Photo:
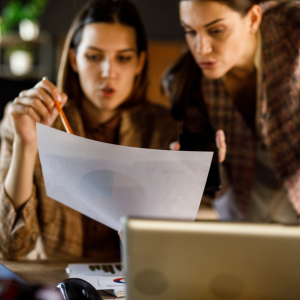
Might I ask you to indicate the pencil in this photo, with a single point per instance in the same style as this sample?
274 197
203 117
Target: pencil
61 113
63 117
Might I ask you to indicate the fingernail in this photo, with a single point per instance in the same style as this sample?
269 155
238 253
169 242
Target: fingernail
58 98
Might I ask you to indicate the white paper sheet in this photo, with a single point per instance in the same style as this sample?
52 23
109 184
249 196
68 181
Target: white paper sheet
106 182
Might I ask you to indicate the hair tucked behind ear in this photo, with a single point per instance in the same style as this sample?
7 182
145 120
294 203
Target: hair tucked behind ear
182 80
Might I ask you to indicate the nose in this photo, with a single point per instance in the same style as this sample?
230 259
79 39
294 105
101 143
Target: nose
107 70
203 45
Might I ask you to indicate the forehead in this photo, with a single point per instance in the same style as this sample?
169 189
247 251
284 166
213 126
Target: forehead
110 37
200 13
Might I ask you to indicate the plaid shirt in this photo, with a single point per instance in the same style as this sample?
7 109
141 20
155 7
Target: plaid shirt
279 108
60 227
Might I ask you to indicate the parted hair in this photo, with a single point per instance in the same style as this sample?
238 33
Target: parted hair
241 6
105 11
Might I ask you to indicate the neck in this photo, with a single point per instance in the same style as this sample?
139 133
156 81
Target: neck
245 68
95 114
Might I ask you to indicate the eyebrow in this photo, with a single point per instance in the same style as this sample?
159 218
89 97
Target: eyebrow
205 26
213 22
120 51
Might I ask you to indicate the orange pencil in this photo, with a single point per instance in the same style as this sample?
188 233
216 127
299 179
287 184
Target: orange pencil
63 117
61 113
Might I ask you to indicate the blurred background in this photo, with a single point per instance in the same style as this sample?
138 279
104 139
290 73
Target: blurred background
33 33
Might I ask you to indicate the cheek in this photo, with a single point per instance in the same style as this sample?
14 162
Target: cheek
236 44
86 70
230 50
192 46
224 50
127 75
87 77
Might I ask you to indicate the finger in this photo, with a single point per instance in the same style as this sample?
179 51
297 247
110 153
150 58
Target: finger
64 99
40 109
20 109
120 233
40 93
221 144
33 115
175 146
50 88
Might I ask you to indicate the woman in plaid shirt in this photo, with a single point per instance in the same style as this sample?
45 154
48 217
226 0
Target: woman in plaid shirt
240 76
103 74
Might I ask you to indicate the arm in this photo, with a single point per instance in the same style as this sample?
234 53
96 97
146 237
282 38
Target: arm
19 226
35 105
16 239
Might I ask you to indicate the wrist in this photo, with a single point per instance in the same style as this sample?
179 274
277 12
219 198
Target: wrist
28 147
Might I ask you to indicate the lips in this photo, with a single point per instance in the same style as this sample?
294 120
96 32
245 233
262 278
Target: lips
207 64
107 92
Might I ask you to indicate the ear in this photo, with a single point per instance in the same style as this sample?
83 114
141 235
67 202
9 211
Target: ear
141 62
255 17
72 60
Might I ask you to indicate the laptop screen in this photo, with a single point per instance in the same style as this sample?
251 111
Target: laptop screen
206 260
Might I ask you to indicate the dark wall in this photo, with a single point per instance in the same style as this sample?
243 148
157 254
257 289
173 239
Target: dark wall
160 17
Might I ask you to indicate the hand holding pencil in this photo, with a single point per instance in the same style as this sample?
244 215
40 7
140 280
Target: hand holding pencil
40 104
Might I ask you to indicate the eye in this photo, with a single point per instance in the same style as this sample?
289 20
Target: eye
93 57
124 58
216 31
190 32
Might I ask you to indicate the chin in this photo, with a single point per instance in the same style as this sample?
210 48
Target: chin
109 107
213 75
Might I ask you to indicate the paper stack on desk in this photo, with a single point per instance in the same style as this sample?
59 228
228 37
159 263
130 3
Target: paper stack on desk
108 277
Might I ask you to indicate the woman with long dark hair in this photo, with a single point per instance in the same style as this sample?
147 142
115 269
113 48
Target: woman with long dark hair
240 75
102 84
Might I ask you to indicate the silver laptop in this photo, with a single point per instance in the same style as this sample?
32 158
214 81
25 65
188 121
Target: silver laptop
169 260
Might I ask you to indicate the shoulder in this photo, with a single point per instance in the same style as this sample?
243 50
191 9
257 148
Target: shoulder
284 15
155 112
155 124
280 31
154 107
279 7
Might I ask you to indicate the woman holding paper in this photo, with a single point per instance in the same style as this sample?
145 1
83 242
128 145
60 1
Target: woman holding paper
102 85
241 74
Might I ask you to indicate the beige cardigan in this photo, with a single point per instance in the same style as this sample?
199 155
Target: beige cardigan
57 226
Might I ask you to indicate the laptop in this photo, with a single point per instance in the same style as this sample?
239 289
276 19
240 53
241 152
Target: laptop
167 260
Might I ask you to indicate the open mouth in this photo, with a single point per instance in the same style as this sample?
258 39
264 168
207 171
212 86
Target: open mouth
107 91
207 64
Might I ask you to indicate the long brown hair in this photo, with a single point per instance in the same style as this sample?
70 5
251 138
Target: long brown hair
106 11
182 80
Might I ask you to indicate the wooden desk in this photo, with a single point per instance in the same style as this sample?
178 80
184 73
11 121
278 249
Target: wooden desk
39 272
48 273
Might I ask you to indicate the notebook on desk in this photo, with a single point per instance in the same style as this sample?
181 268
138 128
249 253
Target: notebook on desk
202 260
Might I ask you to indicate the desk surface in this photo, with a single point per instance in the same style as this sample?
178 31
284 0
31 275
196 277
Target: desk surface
48 273
39 272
